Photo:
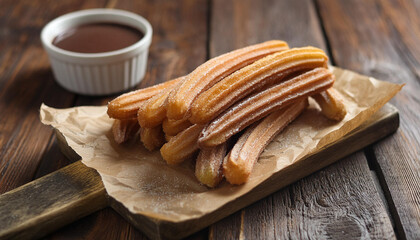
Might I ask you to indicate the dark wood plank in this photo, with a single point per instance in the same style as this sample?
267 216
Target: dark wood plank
236 24
317 207
385 46
48 203
25 82
179 44
285 214
297 23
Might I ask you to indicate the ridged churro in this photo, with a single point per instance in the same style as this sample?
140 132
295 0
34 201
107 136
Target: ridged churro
265 71
123 130
208 167
127 105
213 71
181 146
260 88
239 163
173 127
152 138
259 105
331 104
153 111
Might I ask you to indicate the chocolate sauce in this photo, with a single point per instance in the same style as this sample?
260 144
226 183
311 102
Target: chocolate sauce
97 38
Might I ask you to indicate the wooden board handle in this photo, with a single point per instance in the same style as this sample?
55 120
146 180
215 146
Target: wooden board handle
48 203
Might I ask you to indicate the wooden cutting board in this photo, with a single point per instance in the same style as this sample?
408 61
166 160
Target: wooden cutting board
48 203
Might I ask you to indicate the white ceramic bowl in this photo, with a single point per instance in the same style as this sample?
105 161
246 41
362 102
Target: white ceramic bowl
98 73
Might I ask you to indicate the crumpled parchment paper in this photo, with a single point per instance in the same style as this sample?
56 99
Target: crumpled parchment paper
145 184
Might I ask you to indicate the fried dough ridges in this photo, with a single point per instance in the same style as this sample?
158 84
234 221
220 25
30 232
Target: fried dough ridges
266 71
153 111
259 105
239 163
127 105
152 138
260 88
172 127
214 70
181 146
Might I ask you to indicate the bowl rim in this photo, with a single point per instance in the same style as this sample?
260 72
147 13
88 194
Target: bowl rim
143 43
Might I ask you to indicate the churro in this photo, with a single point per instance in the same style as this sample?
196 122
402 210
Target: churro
173 127
181 146
152 138
266 71
123 130
168 137
238 165
331 104
127 105
259 105
213 71
208 167
153 111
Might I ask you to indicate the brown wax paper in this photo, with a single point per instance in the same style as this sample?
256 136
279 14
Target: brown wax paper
145 184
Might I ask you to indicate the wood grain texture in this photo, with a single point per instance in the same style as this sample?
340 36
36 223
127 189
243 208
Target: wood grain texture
178 46
384 47
236 24
48 203
297 23
25 82
317 207
378 38
324 204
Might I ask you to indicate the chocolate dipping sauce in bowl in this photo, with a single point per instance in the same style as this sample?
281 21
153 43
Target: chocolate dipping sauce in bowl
98 51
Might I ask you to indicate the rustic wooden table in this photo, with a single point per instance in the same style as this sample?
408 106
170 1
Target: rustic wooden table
373 193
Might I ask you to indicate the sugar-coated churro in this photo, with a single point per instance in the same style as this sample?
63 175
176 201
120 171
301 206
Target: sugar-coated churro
173 127
259 105
127 105
213 71
181 146
123 130
152 138
265 71
260 88
153 111
208 167
331 104
238 164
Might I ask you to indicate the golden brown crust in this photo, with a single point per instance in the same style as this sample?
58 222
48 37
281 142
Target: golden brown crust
331 103
213 71
259 105
124 130
208 167
127 105
181 146
173 127
238 165
261 87
153 111
152 138
266 71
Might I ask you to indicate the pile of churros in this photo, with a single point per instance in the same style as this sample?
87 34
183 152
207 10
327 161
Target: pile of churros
228 109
